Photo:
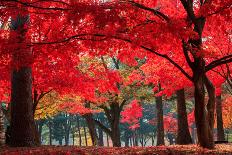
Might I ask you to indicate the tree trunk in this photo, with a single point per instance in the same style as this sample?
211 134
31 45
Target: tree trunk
91 125
85 133
66 137
115 136
183 134
114 122
126 137
67 128
160 123
79 131
40 127
73 137
107 140
2 132
136 143
203 117
220 129
60 141
50 132
22 125
100 137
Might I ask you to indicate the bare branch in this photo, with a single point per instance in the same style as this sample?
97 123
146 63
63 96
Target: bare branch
154 11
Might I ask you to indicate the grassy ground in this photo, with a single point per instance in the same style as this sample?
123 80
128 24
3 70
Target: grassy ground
225 149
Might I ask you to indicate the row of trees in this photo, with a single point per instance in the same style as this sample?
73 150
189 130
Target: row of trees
179 38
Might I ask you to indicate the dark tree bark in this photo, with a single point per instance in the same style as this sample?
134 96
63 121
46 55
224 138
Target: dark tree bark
183 134
115 131
160 122
220 129
203 114
113 117
91 125
22 126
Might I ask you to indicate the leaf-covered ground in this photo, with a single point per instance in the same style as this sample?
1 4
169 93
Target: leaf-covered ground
161 150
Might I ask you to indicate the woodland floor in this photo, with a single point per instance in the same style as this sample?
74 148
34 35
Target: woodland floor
160 150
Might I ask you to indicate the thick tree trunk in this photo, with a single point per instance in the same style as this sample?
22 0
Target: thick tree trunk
183 134
91 125
220 129
115 135
22 126
160 123
2 132
203 115
114 122
92 130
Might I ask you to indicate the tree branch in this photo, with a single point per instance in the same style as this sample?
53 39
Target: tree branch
185 50
122 105
154 11
218 62
103 127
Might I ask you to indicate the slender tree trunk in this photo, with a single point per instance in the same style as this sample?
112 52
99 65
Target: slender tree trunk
183 134
100 139
73 137
220 129
50 132
60 141
152 141
79 131
136 138
160 123
66 138
126 136
40 127
2 132
193 135
107 140
85 133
